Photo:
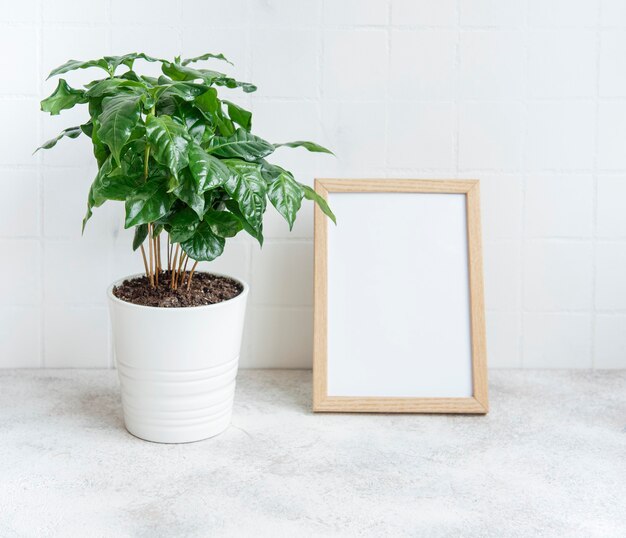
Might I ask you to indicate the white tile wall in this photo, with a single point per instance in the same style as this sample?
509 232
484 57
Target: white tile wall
527 95
559 340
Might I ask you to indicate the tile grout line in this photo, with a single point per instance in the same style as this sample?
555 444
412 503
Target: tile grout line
41 208
457 91
596 151
524 176
386 144
249 342
110 260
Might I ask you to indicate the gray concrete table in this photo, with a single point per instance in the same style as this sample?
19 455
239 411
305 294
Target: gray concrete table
549 460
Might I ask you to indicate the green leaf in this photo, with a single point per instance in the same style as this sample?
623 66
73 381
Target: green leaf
182 224
169 142
188 191
63 97
206 56
246 185
182 72
187 91
113 86
86 218
196 123
208 102
70 132
310 194
148 203
257 232
72 65
242 145
120 115
208 76
87 128
203 245
239 115
208 171
101 151
115 185
311 146
284 192
128 60
93 199
211 107
141 232
223 223
229 82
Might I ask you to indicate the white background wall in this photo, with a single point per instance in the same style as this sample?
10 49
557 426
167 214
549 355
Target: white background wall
527 95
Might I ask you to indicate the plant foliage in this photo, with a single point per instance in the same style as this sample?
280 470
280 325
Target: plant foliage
182 159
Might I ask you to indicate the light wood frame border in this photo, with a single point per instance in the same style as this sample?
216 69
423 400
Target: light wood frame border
478 403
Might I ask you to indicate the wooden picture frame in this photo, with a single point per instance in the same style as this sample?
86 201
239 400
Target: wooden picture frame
477 401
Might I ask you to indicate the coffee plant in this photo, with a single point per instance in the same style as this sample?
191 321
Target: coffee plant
182 159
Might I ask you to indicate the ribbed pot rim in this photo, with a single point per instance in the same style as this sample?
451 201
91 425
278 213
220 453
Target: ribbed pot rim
117 300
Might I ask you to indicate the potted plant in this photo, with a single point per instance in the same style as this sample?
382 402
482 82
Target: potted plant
191 175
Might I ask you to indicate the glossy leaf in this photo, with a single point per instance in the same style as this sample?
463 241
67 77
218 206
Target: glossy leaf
211 107
182 72
257 232
239 115
242 145
311 146
203 245
94 199
72 65
246 185
169 142
310 194
209 77
112 86
128 60
141 232
116 185
63 97
148 203
206 56
223 223
232 83
195 122
120 115
182 224
189 192
284 192
187 91
70 132
208 171
100 150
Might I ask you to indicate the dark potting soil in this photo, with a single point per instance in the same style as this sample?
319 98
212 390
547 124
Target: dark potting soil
205 289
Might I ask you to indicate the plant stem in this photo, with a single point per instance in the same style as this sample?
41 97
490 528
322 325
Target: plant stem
169 252
191 275
146 161
174 266
182 280
151 255
180 267
145 262
157 259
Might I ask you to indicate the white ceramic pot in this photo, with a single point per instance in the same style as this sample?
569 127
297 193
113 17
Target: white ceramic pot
177 366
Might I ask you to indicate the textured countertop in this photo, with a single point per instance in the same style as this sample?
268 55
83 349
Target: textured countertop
549 460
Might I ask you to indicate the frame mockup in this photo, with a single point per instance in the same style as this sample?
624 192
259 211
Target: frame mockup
399 319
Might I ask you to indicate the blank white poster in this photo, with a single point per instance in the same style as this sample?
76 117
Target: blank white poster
398 296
